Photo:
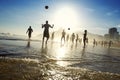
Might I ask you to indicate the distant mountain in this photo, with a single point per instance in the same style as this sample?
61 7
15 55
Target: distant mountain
57 36
9 36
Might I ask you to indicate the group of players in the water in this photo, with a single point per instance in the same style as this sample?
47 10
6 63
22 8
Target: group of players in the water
73 37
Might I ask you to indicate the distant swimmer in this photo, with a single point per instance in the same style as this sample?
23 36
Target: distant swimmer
29 31
46 31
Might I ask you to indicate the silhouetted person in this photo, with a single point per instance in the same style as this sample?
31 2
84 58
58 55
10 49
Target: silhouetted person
77 38
94 42
84 37
102 43
46 31
52 37
105 43
63 35
110 43
29 31
73 37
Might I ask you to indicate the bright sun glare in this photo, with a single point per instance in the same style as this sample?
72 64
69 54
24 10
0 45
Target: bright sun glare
66 17
60 53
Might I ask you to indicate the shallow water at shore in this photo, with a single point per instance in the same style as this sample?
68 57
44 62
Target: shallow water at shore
17 69
70 61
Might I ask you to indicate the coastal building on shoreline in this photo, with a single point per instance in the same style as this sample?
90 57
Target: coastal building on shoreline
112 34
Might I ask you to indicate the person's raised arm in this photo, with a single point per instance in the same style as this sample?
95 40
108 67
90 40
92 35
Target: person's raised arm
52 26
32 30
26 31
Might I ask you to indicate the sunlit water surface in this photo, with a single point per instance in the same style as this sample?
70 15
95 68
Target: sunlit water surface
67 55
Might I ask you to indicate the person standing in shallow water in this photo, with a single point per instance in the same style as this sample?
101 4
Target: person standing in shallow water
63 35
94 42
110 43
72 37
77 38
29 31
46 31
85 37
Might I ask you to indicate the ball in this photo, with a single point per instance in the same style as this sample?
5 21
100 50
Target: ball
46 7
68 28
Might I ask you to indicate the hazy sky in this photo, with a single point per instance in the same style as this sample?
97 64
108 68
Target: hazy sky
97 16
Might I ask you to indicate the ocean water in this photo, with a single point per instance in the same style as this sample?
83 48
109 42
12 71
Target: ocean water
72 55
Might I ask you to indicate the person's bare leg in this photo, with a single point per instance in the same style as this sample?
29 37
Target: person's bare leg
61 39
64 39
84 43
43 40
47 40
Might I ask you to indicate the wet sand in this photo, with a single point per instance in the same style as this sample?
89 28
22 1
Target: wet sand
17 69
21 60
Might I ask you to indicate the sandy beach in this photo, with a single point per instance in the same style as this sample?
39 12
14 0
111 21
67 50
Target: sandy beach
21 60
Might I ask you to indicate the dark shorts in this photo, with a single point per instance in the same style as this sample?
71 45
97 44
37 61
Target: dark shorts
29 35
46 34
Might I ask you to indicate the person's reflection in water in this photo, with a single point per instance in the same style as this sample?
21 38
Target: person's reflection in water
109 50
28 47
76 45
71 46
28 44
83 53
44 49
62 45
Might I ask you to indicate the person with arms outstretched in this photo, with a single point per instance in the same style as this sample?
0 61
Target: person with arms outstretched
46 31
29 31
